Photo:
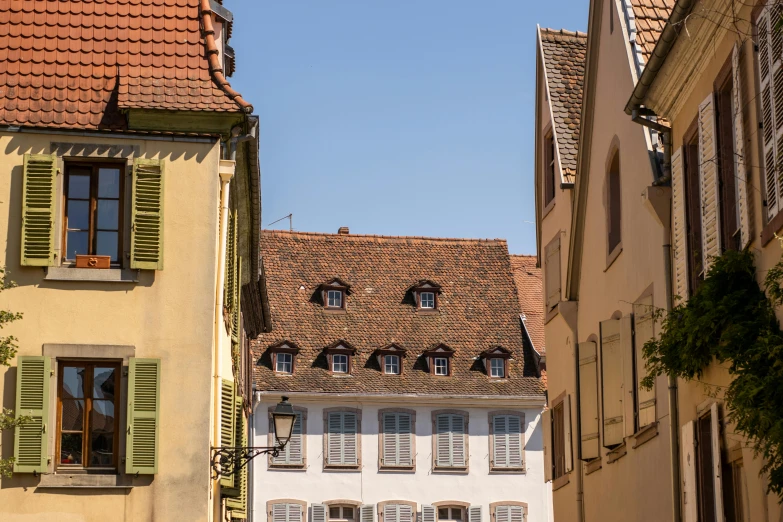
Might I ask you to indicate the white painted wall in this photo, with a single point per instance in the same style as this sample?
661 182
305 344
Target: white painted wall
369 486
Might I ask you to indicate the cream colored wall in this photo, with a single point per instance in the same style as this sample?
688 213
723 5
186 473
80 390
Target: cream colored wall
168 315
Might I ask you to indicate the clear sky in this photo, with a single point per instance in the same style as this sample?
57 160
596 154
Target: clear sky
397 117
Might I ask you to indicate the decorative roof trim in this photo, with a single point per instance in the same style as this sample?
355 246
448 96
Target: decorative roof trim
496 351
424 285
340 285
284 346
340 346
391 349
441 349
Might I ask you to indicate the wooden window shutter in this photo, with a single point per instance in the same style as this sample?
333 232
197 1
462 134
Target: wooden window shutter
428 513
397 440
39 196
588 400
350 442
679 228
342 438
318 512
295 513
279 513
517 513
546 431
644 324
567 450
367 513
227 423
771 107
745 217
391 513
708 181
450 440
503 514
236 326
147 214
629 385
612 381
404 513
689 496
238 505
143 416
552 272
474 514
716 461
443 440
507 441
292 453
334 436
31 450
228 283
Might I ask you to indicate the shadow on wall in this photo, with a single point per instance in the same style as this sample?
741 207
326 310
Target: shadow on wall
535 442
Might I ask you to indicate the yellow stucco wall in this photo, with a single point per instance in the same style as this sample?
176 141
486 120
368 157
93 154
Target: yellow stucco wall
169 315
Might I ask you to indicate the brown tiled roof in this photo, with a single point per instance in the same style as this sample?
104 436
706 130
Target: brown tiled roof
478 309
75 64
564 63
649 17
531 301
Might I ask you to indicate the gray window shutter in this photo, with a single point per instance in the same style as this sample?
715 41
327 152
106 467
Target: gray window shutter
612 381
689 498
295 513
458 436
342 443
474 514
443 440
679 229
644 327
745 217
516 441
367 513
765 25
334 441
508 443
318 512
546 432
503 514
391 513
428 513
350 432
405 439
397 440
588 400
405 513
292 454
708 181
279 513
716 463
517 513
629 385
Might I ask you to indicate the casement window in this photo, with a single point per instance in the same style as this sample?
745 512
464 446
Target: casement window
293 455
286 511
616 369
552 273
342 513
507 441
451 513
397 429
396 511
556 428
425 293
427 300
334 293
727 184
450 440
391 364
588 400
439 360
771 88
496 362
339 363
92 212
549 169
334 299
509 511
282 356
735 501
497 367
284 363
702 472
342 438
441 365
613 210
87 415
390 359
339 356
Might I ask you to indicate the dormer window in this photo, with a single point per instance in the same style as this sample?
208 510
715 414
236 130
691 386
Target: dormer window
283 355
439 360
496 362
339 356
425 293
390 359
333 294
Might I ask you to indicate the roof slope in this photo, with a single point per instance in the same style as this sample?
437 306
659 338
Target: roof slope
564 62
75 64
527 278
649 18
478 309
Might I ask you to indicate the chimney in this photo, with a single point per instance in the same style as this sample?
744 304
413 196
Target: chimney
343 231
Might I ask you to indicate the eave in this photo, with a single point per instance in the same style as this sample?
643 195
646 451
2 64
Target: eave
201 122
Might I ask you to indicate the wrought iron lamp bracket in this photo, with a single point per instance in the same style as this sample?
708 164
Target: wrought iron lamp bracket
228 460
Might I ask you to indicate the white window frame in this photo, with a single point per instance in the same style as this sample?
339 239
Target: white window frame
444 366
391 361
334 296
493 361
335 364
280 358
430 300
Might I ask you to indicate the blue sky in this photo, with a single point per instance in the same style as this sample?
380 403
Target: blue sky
397 117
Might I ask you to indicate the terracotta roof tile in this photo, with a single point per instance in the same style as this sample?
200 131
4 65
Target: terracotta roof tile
531 297
101 56
564 62
649 18
478 309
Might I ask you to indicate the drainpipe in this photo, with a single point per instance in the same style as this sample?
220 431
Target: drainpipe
236 138
640 115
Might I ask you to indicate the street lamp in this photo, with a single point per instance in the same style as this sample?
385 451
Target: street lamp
228 460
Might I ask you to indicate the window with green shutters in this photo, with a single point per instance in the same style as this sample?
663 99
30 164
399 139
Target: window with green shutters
508 441
227 423
232 284
450 440
143 416
39 189
342 438
397 439
147 214
32 399
238 504
293 455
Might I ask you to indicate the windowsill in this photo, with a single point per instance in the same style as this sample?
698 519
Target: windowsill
612 257
86 480
769 230
460 470
92 275
560 481
351 468
397 469
507 471
288 467
617 453
591 466
643 435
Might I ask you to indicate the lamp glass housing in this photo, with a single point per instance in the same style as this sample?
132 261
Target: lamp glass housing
283 418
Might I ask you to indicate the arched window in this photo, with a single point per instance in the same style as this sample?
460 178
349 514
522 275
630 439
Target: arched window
613 210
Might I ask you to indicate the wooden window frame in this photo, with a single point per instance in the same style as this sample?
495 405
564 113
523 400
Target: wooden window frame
339 292
381 436
502 469
550 191
270 441
724 126
342 467
340 348
399 364
614 205
421 300
283 347
94 166
381 506
692 199
335 285
439 352
451 504
62 363
450 469
391 349
341 505
427 287
558 447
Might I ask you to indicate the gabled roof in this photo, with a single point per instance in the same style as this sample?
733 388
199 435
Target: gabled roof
563 55
78 64
531 298
479 310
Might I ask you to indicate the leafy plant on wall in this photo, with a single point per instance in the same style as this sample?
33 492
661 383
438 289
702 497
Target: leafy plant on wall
8 349
731 319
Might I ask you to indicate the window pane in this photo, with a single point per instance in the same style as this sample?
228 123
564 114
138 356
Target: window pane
103 383
79 185
340 364
101 433
108 214
78 214
456 514
109 183
334 512
107 244
77 243
348 513
72 415
73 383
71 448
443 513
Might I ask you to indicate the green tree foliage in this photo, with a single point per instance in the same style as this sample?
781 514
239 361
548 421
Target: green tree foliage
8 349
732 320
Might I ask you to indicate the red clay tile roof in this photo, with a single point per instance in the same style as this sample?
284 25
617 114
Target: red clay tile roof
648 19
478 309
75 64
564 62
531 298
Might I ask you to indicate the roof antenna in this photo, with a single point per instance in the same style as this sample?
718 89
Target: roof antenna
290 218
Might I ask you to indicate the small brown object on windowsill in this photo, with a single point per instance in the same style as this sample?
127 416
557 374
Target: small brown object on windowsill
86 261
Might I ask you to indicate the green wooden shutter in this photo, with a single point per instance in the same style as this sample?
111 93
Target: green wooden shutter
228 283
238 505
32 399
227 421
143 416
38 204
147 214
236 327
